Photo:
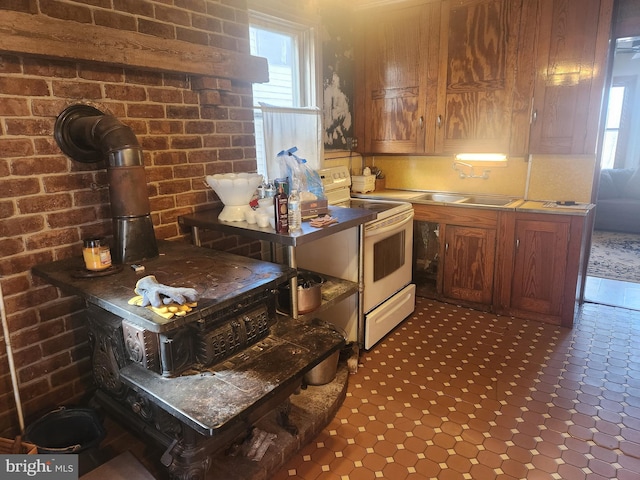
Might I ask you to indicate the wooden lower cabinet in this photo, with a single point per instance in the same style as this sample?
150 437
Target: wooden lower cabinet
540 266
512 263
468 263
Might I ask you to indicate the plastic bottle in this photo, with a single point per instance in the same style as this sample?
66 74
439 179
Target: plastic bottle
295 213
280 205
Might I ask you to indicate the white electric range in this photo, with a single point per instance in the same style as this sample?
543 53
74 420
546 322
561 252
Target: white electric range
388 294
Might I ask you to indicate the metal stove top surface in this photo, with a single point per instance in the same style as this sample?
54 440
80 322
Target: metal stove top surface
383 208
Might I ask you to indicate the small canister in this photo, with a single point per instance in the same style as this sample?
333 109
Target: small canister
96 253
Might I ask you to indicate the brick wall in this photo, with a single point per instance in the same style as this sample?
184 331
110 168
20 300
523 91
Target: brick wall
47 204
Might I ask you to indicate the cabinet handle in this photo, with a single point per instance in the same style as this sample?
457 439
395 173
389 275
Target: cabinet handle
446 247
534 116
439 121
517 243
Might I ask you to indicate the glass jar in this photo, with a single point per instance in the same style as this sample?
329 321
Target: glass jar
96 254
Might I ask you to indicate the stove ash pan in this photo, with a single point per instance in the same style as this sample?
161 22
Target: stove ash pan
201 345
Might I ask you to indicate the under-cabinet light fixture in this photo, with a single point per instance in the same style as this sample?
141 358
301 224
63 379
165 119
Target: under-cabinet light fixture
481 157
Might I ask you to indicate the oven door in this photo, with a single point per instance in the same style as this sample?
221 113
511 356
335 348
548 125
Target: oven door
387 257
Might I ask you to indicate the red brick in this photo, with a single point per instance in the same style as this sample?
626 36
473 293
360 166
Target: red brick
44 203
210 97
243 140
156 29
65 11
200 126
229 127
114 20
76 90
231 154
29 127
10 246
101 73
47 107
154 144
191 5
44 366
142 77
48 146
192 36
165 127
166 158
39 166
22 263
162 203
223 41
236 30
44 67
10 64
23 319
145 111
188 171
166 231
221 11
26 6
175 80
126 93
24 87
77 216
15 284
175 186
63 183
183 112
190 199
137 8
14 107
15 187
28 355
217 141
219 167
203 156
172 15
186 142
214 113
164 95
241 114
52 238
204 22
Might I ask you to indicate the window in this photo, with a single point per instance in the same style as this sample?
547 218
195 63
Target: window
612 127
290 51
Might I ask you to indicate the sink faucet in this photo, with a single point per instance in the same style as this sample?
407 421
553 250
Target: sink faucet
457 167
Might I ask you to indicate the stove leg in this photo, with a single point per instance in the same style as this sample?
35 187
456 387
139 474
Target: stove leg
283 417
185 460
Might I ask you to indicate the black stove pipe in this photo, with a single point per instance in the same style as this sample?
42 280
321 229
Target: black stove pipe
87 135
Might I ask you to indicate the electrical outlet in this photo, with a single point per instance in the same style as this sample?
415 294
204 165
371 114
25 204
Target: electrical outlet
352 143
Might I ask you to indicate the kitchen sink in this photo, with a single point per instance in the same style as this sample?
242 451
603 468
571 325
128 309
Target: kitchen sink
441 197
487 200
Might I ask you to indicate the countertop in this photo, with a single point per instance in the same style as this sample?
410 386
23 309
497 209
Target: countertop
518 205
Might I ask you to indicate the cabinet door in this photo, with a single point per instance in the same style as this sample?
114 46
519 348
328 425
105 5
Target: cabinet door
396 46
540 266
571 63
478 73
469 254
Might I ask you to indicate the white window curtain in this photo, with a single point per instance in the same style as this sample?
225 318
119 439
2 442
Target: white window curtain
286 127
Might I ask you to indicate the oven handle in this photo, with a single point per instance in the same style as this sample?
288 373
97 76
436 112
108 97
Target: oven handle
373 230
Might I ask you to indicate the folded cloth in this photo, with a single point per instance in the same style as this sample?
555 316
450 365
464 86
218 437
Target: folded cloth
156 294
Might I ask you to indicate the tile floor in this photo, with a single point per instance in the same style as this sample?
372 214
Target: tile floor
458 394
612 292
454 393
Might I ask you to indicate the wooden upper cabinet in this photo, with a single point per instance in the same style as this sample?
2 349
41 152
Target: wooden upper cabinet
396 71
479 74
571 65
